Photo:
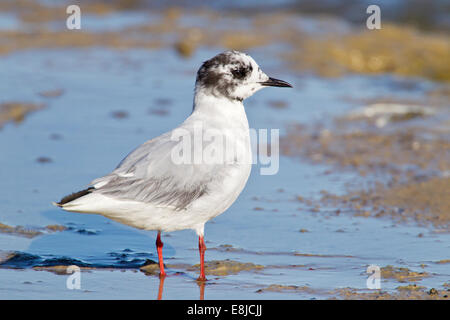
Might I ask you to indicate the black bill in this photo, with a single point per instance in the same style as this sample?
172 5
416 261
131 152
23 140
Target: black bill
272 82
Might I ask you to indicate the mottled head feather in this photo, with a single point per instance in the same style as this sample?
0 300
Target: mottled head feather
231 74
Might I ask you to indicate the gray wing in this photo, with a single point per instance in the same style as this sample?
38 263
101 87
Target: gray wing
149 175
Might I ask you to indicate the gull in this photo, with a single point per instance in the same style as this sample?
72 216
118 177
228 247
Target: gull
151 189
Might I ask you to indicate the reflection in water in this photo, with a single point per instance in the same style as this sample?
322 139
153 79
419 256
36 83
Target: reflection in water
201 285
161 286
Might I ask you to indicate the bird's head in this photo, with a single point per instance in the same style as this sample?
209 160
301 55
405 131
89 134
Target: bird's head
233 75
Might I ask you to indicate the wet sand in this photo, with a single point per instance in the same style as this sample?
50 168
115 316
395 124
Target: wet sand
403 158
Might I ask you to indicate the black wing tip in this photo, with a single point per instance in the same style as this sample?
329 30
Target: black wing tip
74 196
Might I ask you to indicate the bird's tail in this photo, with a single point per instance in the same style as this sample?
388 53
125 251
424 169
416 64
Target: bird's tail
73 196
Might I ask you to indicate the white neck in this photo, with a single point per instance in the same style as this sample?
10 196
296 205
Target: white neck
219 112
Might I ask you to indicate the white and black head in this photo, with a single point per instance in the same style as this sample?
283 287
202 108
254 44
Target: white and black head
233 75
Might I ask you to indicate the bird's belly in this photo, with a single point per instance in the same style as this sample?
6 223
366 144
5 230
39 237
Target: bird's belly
222 194
218 199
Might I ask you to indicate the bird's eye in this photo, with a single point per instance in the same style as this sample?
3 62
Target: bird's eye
239 73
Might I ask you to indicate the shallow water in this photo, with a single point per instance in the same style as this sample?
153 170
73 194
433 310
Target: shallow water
153 90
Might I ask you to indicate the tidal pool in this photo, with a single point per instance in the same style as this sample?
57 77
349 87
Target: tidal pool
111 102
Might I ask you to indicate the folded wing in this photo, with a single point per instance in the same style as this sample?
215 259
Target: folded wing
149 174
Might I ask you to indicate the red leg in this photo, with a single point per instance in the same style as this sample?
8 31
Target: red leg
201 249
159 246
